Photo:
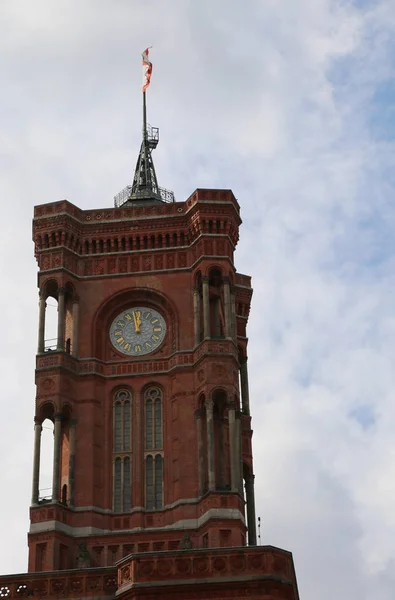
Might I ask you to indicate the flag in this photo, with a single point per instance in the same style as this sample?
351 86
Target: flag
147 69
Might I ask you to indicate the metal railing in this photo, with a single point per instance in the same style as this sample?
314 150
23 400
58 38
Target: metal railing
167 195
51 345
45 499
123 196
152 136
126 194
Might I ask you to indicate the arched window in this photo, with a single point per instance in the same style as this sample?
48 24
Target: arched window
122 451
153 449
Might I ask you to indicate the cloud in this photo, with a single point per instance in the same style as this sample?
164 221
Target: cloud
289 104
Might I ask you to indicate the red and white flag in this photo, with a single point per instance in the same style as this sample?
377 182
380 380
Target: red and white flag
147 69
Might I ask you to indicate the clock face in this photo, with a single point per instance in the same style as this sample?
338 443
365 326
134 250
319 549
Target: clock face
137 331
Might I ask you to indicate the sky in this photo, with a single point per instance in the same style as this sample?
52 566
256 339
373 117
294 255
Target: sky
290 103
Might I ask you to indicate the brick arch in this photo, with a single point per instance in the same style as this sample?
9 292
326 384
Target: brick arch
46 410
119 387
112 306
70 290
219 391
67 411
207 268
202 401
197 278
150 384
50 288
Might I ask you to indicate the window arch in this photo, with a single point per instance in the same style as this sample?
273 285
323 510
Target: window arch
153 402
122 451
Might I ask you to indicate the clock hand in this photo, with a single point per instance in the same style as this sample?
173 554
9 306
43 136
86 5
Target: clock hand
137 321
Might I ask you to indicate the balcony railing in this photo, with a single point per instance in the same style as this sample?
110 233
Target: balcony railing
126 194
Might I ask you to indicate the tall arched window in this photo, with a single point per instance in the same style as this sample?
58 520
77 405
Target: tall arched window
153 449
122 451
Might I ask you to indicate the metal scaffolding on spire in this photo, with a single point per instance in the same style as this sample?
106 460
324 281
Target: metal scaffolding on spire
145 188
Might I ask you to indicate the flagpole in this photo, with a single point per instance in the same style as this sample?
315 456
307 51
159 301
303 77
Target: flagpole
145 136
144 117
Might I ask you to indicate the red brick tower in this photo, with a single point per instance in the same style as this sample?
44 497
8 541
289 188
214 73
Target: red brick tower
151 439
148 391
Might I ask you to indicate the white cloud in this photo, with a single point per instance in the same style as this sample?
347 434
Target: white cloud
276 101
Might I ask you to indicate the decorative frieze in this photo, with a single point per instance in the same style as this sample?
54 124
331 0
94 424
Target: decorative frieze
249 563
92 366
84 584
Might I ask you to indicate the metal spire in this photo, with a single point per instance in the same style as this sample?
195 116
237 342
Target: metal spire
145 188
145 183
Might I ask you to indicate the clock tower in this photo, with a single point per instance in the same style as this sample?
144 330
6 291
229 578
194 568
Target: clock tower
147 388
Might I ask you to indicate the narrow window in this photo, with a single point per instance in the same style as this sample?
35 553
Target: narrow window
117 485
122 448
148 424
149 467
158 481
126 426
158 423
126 484
153 441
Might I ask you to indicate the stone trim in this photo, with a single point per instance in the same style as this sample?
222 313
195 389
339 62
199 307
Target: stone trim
232 514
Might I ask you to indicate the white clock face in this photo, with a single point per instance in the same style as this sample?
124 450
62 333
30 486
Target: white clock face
137 331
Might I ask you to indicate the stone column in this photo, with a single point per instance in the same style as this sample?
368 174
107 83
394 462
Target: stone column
245 395
56 457
41 323
72 463
233 313
228 311
36 461
61 314
206 308
239 457
221 451
210 444
199 427
251 520
196 314
76 319
233 446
